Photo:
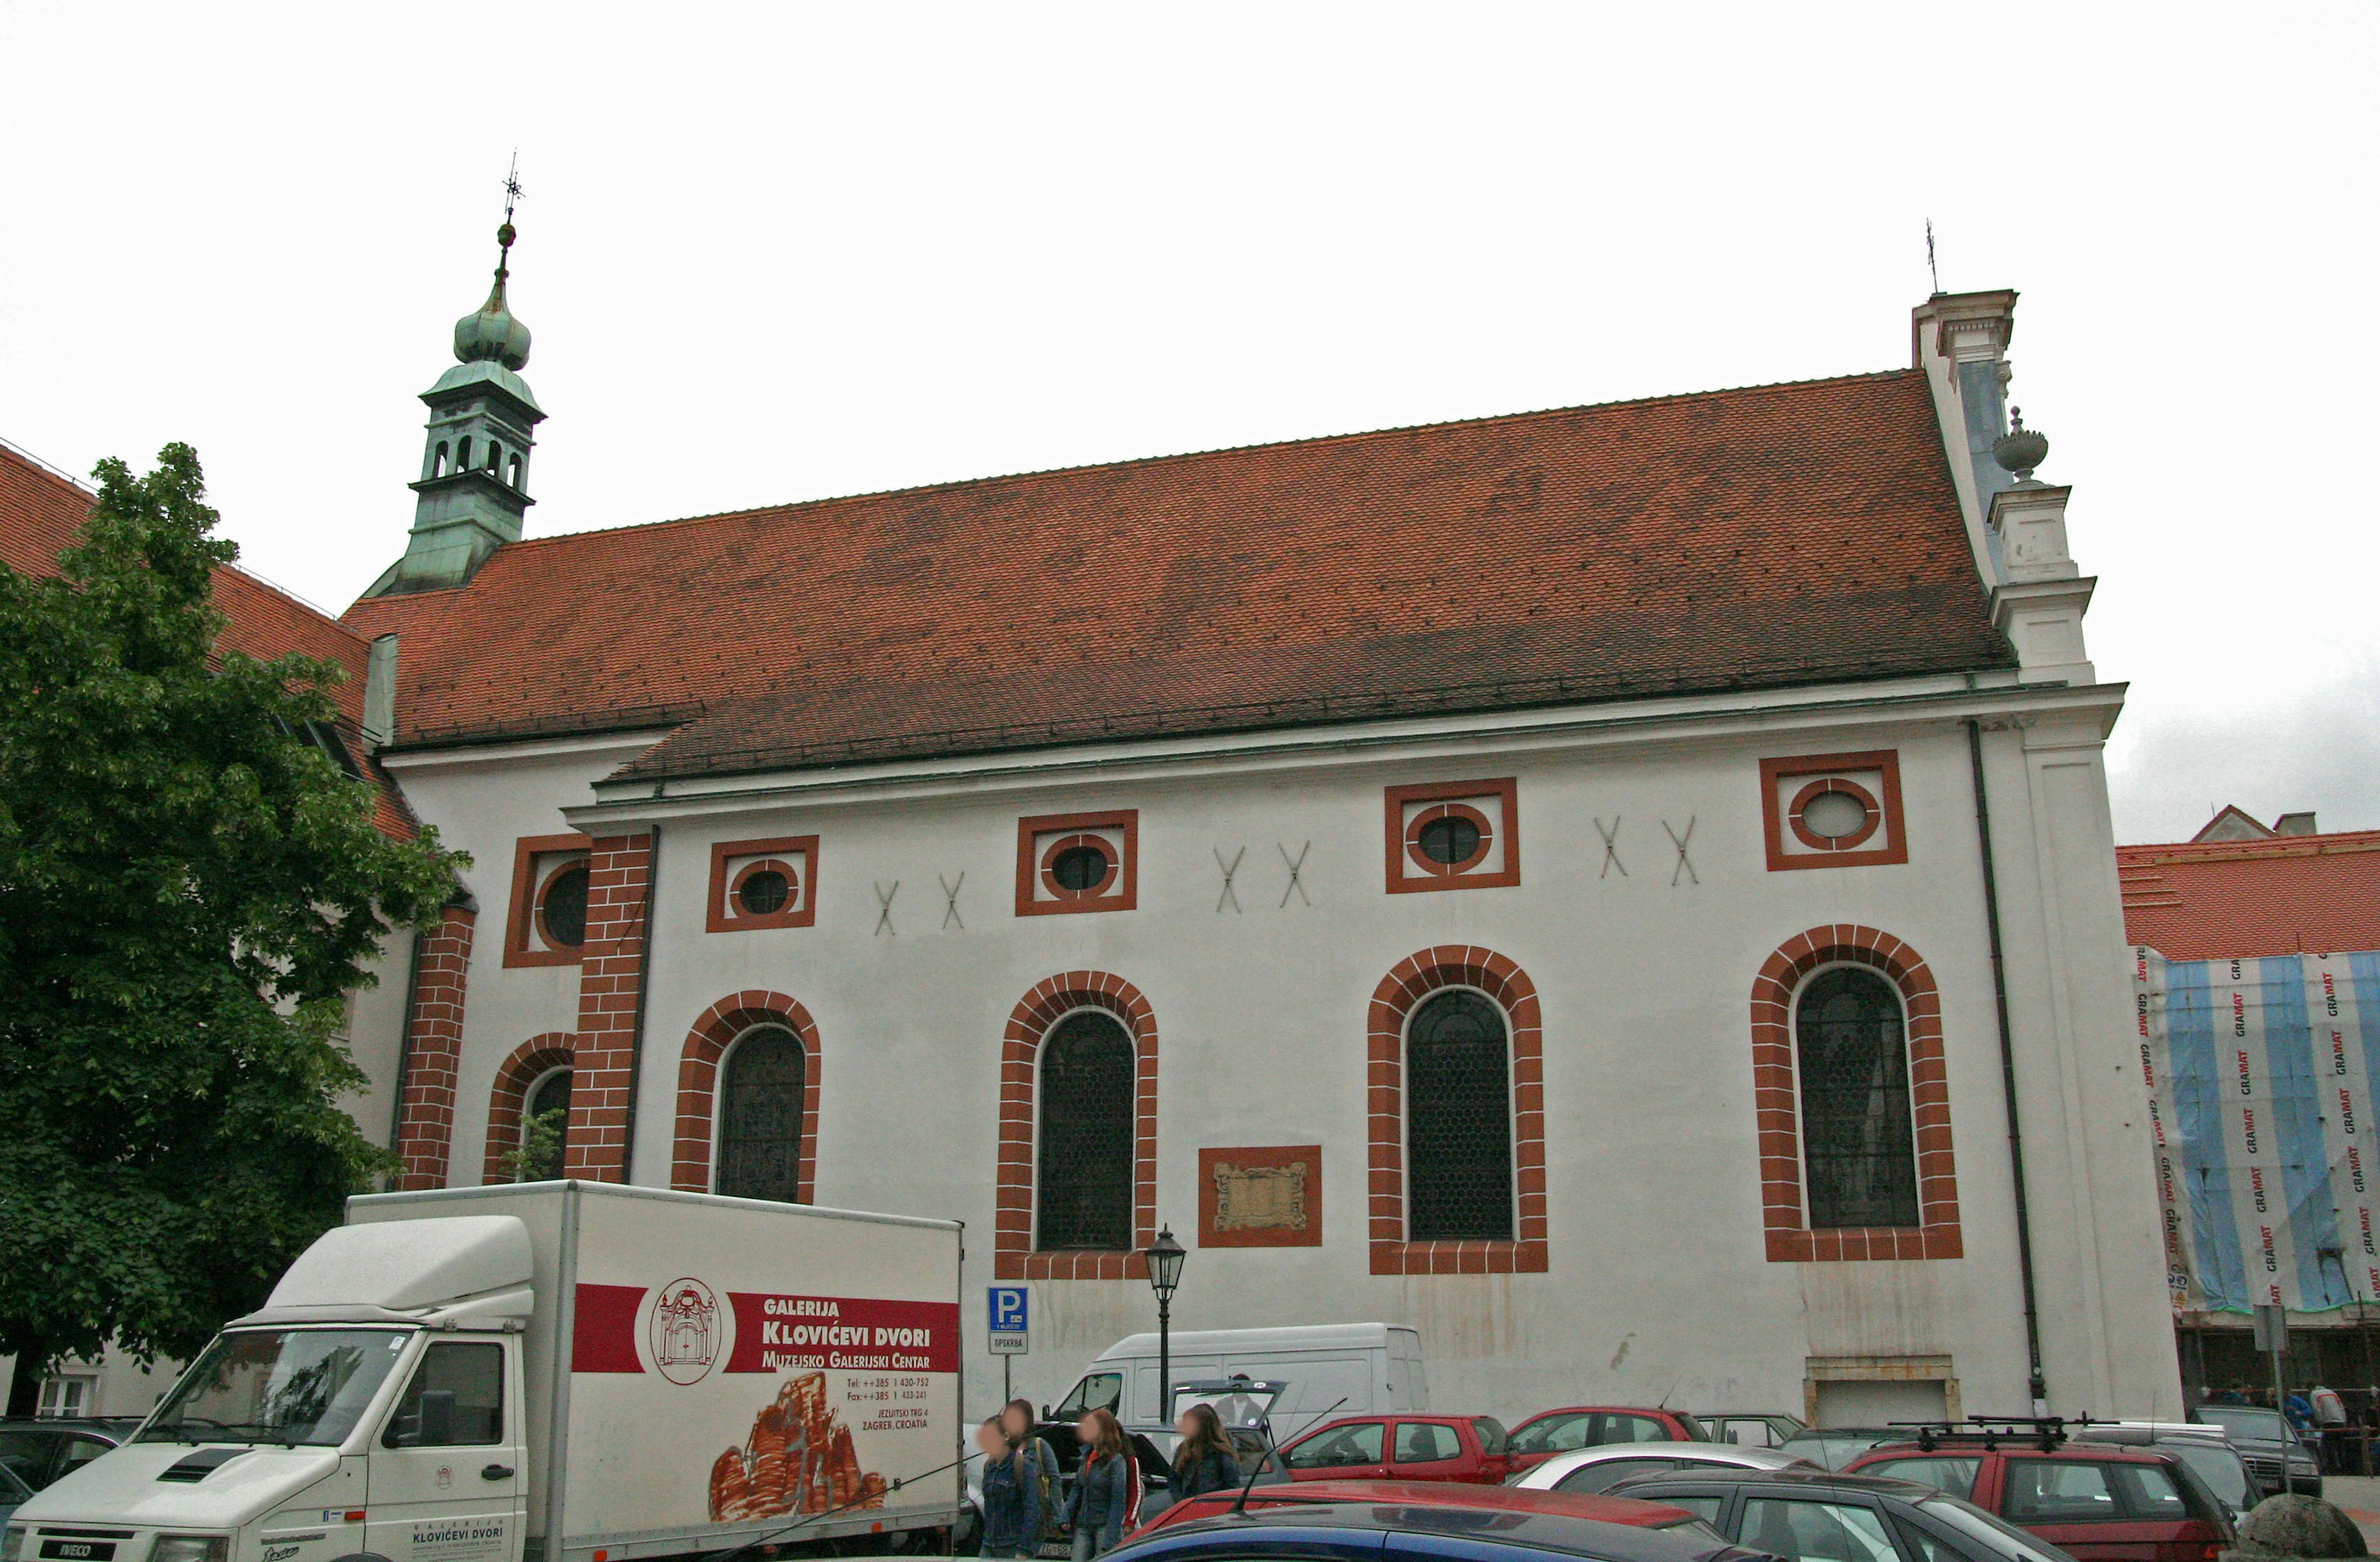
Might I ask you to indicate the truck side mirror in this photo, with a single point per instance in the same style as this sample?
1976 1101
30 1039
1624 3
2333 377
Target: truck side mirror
437 1419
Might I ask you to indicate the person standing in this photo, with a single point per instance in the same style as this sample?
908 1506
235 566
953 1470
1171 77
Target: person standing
1011 1498
1040 1466
1106 1501
1203 1460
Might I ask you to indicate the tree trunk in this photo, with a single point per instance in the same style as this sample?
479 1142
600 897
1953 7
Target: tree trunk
25 1386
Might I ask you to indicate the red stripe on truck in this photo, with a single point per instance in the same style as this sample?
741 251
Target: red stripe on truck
603 1338
777 1333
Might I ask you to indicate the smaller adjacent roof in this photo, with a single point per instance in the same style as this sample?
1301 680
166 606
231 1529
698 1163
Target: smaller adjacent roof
2239 899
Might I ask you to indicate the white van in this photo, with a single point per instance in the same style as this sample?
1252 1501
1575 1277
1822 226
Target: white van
1372 1367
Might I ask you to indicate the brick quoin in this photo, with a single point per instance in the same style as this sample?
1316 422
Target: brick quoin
1050 1000
1776 1102
1401 992
425 1114
697 1083
554 1049
610 968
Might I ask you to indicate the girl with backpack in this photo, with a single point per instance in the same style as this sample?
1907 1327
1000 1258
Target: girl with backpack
1038 1466
1106 1486
1012 1498
1203 1460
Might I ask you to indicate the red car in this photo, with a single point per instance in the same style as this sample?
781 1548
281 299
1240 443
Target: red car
1438 1493
2098 1502
1469 1448
1587 1427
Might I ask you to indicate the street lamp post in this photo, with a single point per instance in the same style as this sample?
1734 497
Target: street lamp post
1165 1256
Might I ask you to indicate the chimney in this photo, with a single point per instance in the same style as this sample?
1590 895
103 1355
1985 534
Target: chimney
380 692
2295 824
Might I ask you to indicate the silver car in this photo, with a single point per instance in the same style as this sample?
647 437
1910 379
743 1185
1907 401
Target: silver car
1601 1468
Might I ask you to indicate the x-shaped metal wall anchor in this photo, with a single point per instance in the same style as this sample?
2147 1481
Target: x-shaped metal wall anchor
1296 866
1610 848
1229 896
1685 864
884 908
950 899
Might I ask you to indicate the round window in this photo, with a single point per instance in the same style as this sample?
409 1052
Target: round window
1835 815
562 910
764 892
1079 870
1450 841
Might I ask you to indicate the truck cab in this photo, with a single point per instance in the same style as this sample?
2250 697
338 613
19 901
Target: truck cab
374 1408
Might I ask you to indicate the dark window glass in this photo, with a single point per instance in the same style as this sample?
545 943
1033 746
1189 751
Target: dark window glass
1459 1139
2042 1491
760 1116
1555 1434
456 1398
1804 1530
1450 841
563 910
764 894
1856 1142
1425 1442
1358 1442
545 1122
1078 869
1086 1151
1603 1475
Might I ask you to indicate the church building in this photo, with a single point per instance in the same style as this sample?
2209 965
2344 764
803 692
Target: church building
1627 891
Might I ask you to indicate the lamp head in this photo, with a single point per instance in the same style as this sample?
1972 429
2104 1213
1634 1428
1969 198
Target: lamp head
1165 1256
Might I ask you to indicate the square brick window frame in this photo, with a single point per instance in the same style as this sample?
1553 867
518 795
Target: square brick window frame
1401 992
530 1061
1775 1089
1772 822
522 912
1028 867
691 1169
1013 1255
716 920
1509 828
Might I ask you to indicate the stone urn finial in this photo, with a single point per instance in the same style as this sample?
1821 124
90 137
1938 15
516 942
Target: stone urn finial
2021 449
2285 1527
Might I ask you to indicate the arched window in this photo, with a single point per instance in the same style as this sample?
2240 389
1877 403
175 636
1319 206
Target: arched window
463 460
1085 1162
761 1092
495 456
1459 1122
1858 1149
438 462
513 474
545 1115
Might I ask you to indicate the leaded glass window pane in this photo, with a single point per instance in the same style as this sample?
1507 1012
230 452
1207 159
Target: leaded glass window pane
1086 1149
760 1116
1858 1149
1459 1122
545 1118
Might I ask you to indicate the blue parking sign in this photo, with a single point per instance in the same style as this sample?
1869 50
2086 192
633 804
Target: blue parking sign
1010 1308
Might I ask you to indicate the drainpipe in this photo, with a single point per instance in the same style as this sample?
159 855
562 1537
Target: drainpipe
637 1033
2007 1076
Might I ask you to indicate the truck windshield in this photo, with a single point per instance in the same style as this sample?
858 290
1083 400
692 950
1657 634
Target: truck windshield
277 1385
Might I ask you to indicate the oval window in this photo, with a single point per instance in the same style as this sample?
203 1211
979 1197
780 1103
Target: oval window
1079 869
764 892
1450 841
1834 815
562 910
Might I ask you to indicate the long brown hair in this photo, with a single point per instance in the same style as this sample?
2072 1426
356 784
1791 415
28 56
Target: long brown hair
1108 1439
1205 1437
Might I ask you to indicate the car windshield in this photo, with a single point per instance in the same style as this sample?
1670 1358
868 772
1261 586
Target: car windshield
2219 1468
2246 1421
277 1385
1234 1404
2003 1540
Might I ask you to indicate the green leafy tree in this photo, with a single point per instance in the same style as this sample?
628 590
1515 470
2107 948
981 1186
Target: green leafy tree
189 888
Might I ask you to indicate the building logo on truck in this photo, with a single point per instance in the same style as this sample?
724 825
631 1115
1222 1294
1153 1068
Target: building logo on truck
684 1330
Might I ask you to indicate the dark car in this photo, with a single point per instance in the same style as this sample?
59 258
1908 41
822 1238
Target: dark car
1484 1529
1441 1494
2265 1439
38 1452
1468 1449
2100 1502
1830 1517
1586 1426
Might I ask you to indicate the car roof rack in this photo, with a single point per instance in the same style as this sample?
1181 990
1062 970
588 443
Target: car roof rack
2043 1431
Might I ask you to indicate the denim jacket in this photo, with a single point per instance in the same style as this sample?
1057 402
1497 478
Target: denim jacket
1103 1497
1011 1505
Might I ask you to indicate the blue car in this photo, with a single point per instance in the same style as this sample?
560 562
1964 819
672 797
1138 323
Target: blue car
1340 1530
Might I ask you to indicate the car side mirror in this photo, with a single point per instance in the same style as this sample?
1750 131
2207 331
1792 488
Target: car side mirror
1049 1414
437 1419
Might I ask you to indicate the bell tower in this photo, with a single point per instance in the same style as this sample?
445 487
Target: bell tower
473 491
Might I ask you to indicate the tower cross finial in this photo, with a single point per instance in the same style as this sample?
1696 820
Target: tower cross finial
505 235
1932 269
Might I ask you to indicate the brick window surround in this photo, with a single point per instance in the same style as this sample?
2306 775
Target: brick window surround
697 1085
1013 1257
530 1061
610 975
521 909
1775 1093
432 1045
1401 992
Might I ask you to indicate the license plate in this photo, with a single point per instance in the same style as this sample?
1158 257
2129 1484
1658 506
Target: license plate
79 1551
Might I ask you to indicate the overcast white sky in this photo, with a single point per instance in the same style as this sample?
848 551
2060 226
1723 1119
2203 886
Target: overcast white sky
780 252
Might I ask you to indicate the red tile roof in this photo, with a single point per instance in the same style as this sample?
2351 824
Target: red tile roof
1755 538
40 513
2222 899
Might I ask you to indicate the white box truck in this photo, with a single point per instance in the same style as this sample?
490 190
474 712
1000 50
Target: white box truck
553 1372
1360 1368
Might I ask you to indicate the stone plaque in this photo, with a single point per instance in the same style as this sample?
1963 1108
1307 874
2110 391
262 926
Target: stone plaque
1262 1196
